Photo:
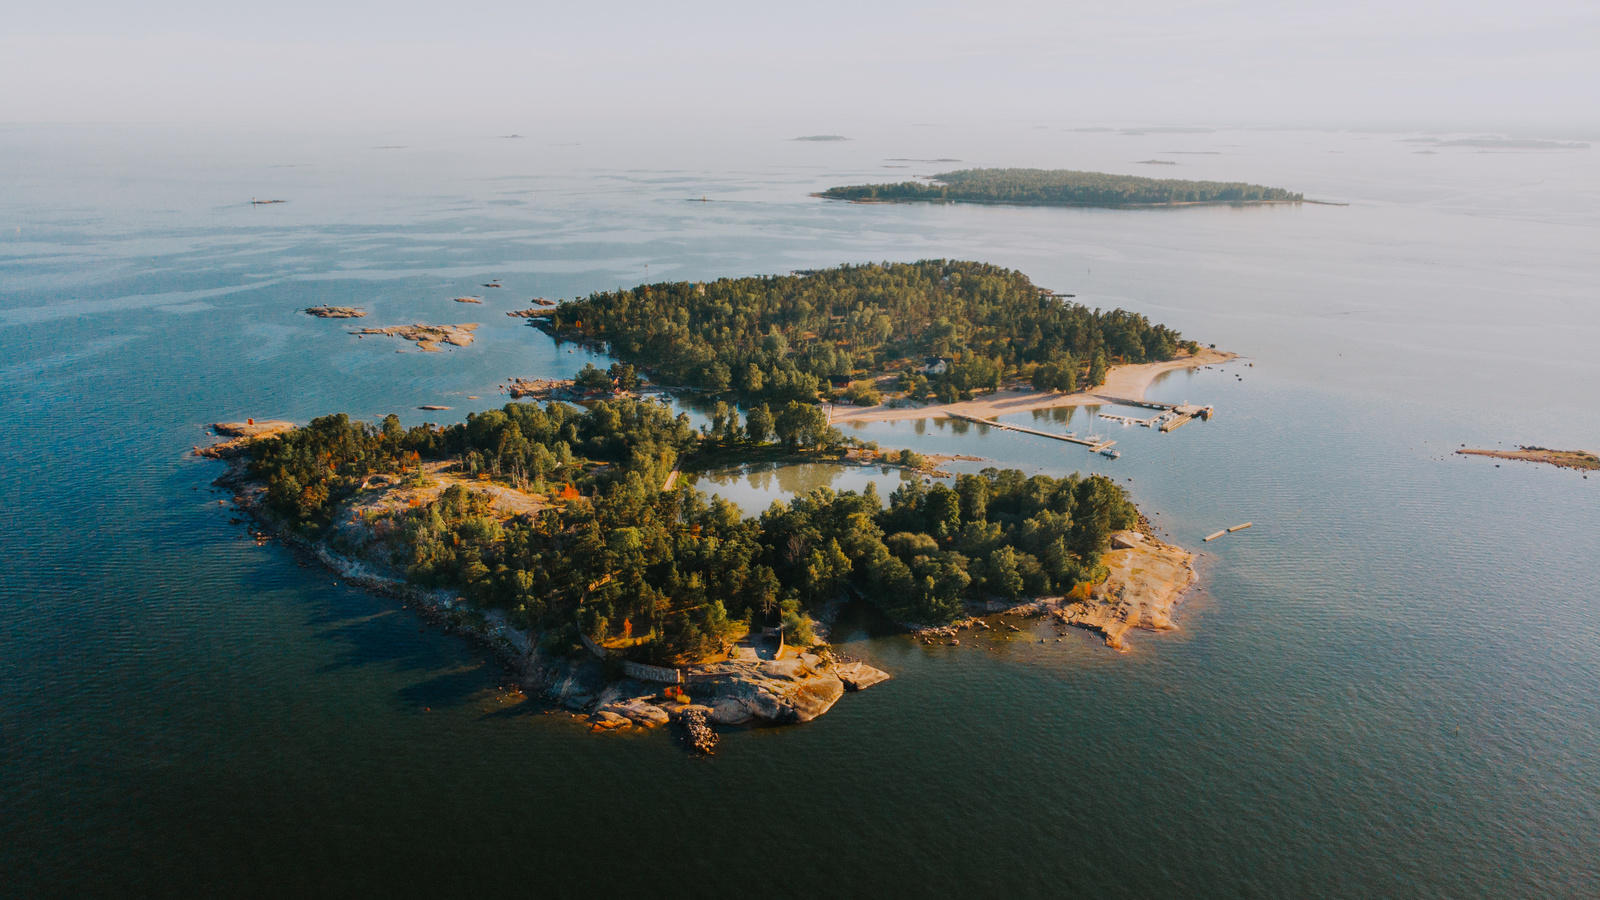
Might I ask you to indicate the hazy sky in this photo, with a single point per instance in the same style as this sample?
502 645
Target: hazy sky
1409 63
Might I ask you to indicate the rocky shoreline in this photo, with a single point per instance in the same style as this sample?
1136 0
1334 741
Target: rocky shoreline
800 685
1145 580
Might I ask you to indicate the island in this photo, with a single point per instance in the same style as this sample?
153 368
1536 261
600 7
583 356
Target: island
559 530
336 312
1062 187
427 337
558 534
931 330
1566 459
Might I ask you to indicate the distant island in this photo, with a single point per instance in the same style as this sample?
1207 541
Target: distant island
1061 187
822 137
336 312
1566 459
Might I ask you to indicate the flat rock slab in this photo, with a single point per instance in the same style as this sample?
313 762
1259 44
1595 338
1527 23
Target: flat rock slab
858 676
607 721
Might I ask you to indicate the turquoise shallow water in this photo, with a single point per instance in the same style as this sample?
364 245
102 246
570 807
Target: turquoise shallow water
1384 688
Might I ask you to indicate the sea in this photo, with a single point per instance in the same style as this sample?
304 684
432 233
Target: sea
1389 686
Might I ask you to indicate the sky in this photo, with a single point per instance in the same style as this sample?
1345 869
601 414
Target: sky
1529 66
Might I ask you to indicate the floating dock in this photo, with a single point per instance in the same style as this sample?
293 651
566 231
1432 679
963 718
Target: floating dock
1093 443
1214 536
1184 413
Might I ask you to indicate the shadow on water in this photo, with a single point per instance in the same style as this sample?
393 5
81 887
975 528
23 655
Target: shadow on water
861 620
448 689
383 638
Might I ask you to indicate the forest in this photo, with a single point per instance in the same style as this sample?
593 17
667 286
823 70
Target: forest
669 576
785 337
1061 187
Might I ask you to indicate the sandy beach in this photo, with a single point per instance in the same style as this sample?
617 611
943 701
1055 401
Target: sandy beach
1122 382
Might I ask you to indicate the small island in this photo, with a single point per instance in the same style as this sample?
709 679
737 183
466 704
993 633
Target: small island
336 312
1566 459
1062 187
427 337
934 330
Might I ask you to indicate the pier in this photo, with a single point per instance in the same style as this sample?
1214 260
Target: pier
1170 417
1095 444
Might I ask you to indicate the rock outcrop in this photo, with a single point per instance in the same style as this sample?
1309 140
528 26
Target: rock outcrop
1146 579
771 692
428 337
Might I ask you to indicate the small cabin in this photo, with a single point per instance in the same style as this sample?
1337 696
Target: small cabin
934 365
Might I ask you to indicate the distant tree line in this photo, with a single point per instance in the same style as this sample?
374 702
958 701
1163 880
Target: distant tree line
1061 187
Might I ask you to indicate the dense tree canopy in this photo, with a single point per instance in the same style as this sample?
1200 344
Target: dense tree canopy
780 338
1061 187
673 574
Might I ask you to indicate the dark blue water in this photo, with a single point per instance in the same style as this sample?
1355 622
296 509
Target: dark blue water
1384 688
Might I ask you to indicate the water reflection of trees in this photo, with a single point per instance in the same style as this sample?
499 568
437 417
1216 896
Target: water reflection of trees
1061 415
789 479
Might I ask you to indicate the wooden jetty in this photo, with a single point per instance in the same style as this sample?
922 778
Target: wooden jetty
1184 413
1130 420
1240 527
1212 537
1092 443
1169 418
1140 403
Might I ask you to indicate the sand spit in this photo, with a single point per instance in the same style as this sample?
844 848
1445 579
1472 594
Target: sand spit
1566 459
468 299
335 312
428 337
1122 382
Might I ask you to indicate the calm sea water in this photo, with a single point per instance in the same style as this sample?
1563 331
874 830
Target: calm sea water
1385 688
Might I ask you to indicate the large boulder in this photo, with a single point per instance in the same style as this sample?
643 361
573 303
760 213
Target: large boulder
858 676
776 692
815 696
645 715
606 721
730 711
